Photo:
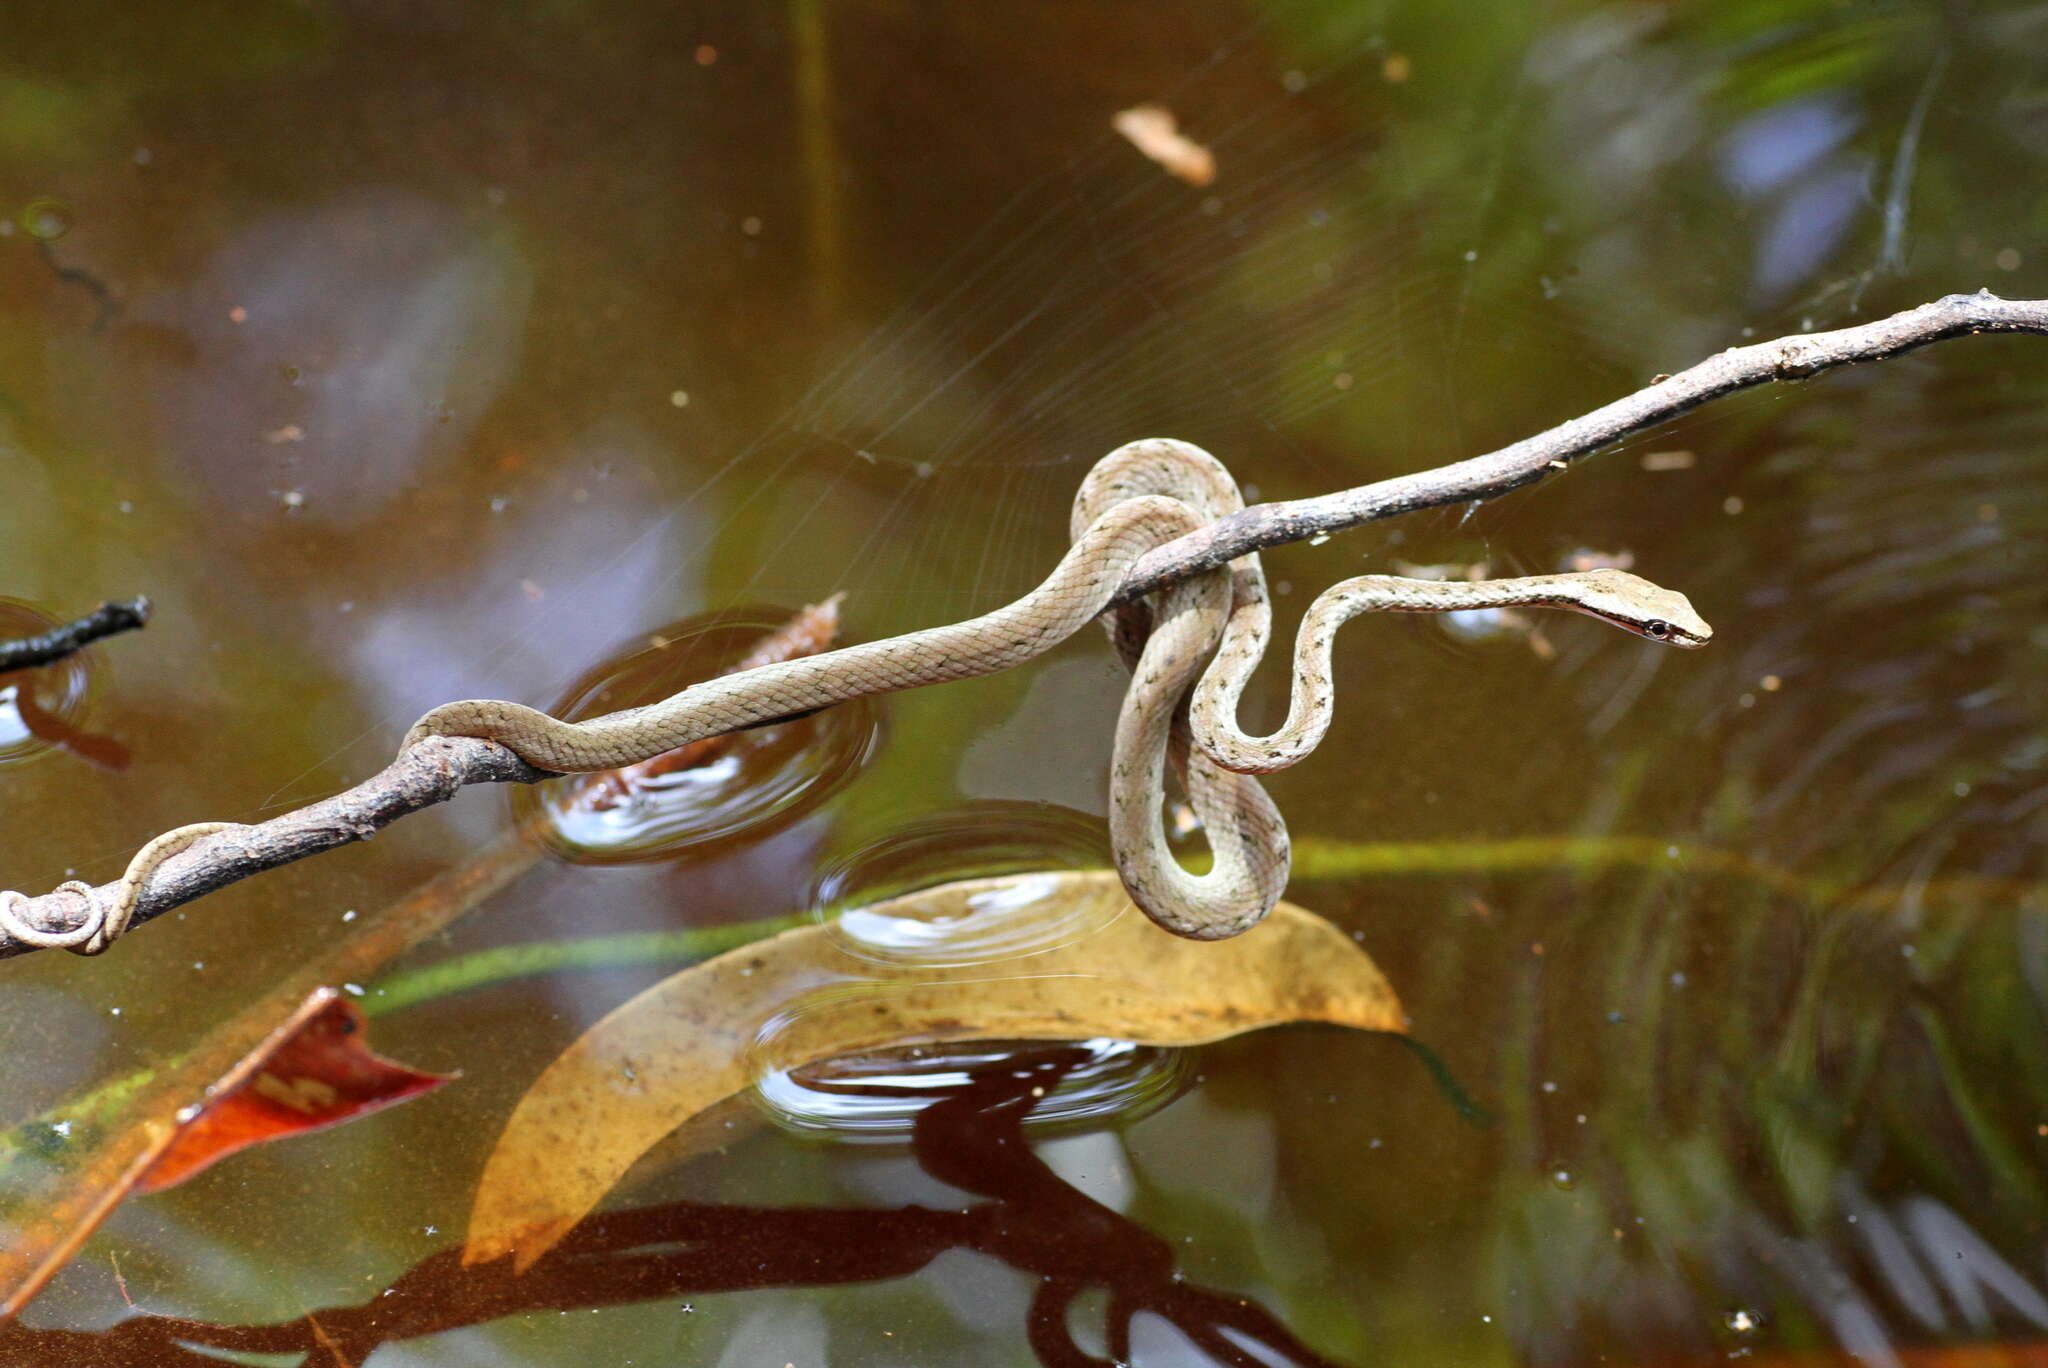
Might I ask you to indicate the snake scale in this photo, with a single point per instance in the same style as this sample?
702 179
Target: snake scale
1196 641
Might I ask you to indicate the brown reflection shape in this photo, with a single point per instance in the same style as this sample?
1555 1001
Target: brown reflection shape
102 295
972 1139
45 725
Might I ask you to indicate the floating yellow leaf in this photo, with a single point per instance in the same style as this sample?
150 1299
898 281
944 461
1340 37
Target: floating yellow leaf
696 1038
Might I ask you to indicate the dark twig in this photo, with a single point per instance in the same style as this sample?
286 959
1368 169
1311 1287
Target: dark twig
403 787
61 641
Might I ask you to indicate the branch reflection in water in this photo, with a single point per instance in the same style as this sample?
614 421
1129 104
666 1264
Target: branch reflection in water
973 1139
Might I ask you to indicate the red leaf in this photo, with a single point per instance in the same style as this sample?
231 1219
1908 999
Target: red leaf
313 1071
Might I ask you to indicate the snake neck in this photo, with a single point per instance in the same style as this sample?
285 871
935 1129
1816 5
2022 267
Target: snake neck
1399 595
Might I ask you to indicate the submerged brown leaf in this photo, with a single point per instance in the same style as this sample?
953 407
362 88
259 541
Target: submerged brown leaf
697 1037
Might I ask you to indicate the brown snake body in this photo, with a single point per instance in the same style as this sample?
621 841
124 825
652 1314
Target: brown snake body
1197 640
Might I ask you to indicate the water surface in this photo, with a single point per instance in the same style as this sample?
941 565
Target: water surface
405 355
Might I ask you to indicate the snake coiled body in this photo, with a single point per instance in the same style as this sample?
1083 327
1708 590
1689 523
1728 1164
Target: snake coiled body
1195 642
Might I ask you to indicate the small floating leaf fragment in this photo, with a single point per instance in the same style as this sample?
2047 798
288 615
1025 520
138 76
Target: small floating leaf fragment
1154 131
695 1039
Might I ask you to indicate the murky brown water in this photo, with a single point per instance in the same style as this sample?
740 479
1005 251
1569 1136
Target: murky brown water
403 356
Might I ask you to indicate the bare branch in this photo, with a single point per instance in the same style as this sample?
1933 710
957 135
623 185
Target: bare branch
1797 357
432 771
62 640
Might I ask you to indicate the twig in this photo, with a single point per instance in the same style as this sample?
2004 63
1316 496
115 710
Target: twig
429 773
1797 357
61 641
432 771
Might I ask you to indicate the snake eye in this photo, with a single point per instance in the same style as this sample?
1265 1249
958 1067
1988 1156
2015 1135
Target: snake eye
1658 628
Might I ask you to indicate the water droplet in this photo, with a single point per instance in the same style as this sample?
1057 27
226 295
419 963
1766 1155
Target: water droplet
736 788
46 219
875 1097
1022 915
1742 1320
1562 1180
1006 901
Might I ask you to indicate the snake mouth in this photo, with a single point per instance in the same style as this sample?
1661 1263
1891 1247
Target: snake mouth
1660 630
1688 637
1672 634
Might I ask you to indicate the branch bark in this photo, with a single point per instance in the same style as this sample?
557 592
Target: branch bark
431 772
1797 357
435 770
62 640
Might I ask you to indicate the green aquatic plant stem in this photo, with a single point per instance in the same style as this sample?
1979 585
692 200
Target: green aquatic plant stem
1328 858
1315 858
2016 1175
823 165
504 963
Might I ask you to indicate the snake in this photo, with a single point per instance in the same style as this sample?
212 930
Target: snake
1191 649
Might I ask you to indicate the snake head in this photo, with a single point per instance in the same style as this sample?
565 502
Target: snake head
1635 605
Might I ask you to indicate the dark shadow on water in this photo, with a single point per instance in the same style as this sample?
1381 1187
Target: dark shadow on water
973 1139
